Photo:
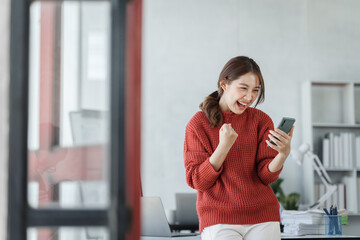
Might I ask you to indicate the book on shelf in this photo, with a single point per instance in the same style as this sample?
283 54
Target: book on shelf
352 149
357 151
341 151
341 196
358 192
350 193
338 198
326 153
330 136
343 154
336 151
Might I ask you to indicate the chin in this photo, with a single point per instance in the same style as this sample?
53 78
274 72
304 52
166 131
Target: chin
238 111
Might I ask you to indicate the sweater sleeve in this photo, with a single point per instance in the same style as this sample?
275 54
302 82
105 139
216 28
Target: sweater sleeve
200 174
266 154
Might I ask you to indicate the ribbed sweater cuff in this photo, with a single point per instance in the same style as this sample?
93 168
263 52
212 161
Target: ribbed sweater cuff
269 177
207 171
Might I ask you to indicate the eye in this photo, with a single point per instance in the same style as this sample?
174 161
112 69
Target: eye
243 88
257 90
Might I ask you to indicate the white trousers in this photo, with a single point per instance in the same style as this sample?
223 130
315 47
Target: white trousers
260 231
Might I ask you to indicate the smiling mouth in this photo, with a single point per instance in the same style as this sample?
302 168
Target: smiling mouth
241 105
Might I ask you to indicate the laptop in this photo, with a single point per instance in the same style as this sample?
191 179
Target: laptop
154 221
186 213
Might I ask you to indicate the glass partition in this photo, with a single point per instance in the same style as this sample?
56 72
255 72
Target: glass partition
68 128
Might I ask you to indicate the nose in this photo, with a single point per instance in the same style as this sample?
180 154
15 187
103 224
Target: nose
248 96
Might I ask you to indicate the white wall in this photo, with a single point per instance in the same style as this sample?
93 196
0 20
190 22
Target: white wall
186 43
4 111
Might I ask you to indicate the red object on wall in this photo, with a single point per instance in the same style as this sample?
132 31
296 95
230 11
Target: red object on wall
133 113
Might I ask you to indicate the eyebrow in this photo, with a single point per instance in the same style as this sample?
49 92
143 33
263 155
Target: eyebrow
248 85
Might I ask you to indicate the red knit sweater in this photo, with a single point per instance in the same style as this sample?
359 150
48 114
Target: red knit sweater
239 193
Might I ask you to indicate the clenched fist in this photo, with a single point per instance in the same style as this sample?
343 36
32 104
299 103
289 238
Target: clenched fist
227 136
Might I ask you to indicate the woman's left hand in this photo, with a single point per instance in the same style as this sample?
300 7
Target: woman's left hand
282 142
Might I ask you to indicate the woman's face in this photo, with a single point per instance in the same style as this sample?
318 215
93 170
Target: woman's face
240 93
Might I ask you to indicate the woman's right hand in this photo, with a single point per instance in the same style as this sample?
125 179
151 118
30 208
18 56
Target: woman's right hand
227 136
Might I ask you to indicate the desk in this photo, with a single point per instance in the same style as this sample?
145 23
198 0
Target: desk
307 237
198 237
316 237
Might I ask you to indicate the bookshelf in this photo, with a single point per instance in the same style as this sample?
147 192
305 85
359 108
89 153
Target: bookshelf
332 107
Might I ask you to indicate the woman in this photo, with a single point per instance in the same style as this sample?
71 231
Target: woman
230 161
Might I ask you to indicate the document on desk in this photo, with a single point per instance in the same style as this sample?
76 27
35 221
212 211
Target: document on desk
304 229
309 217
303 222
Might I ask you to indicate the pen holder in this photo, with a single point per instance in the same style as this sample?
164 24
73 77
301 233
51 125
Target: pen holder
333 225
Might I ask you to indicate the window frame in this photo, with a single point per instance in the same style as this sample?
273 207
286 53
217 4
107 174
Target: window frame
20 215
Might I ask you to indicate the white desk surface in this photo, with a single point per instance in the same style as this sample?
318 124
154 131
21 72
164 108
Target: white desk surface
198 237
283 236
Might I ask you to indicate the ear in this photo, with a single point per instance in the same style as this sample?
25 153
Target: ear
223 84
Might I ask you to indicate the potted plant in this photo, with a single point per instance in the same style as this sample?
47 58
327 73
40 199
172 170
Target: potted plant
287 201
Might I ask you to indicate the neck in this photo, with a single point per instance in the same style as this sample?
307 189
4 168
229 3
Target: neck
223 105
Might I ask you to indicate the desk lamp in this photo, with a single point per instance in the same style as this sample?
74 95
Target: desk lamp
299 155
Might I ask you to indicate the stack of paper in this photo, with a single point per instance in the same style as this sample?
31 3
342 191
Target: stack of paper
304 229
303 222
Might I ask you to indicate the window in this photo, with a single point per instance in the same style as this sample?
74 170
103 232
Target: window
68 101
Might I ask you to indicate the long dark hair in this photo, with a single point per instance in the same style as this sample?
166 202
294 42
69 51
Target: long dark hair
233 69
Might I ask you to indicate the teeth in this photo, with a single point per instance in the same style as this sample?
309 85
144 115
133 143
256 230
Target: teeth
242 104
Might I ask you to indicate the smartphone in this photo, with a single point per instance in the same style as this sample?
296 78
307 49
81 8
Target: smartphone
285 125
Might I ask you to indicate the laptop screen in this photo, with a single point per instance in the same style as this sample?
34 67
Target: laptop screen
154 221
186 208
